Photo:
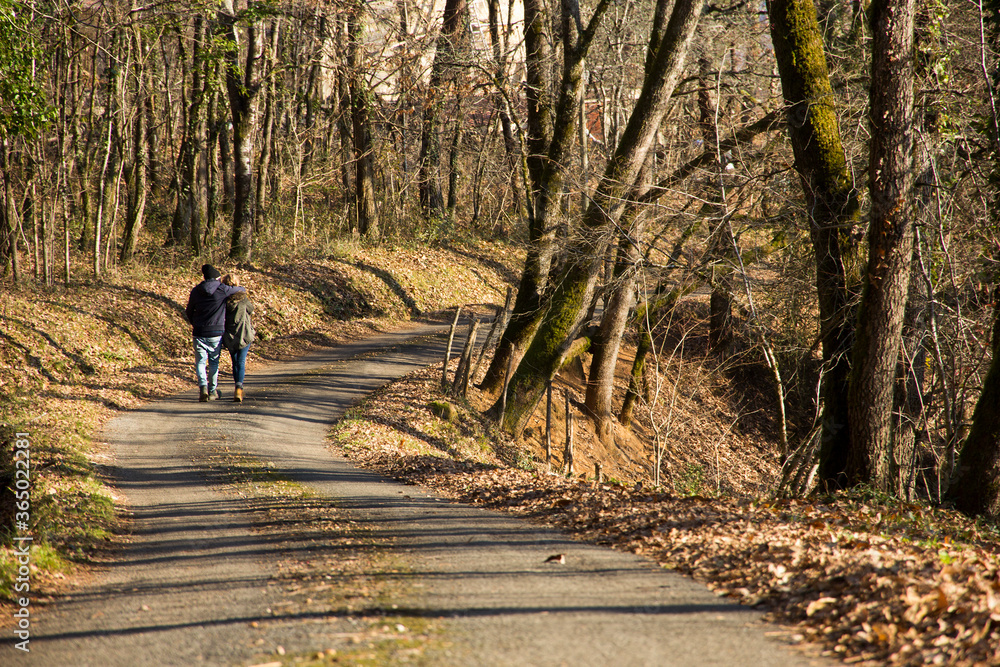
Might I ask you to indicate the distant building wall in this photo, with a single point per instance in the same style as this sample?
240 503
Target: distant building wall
387 47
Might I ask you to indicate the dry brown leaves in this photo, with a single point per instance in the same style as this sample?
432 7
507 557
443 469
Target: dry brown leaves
869 580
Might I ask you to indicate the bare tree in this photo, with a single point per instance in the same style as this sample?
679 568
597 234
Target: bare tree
572 288
137 180
362 142
550 138
975 488
243 84
890 246
445 83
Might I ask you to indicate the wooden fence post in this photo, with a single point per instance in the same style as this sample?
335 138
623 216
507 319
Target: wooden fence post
447 354
568 451
548 425
460 386
503 394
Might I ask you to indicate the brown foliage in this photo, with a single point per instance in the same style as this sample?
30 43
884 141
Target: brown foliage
864 578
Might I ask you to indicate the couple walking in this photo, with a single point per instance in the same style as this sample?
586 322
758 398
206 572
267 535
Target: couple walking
219 312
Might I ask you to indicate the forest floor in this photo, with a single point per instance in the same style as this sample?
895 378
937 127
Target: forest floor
866 579
862 577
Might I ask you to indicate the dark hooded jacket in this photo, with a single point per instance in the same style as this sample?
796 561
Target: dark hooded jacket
206 307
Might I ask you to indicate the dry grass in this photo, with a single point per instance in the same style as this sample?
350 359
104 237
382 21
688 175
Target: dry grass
72 358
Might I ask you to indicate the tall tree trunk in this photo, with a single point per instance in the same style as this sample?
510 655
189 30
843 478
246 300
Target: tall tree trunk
226 159
8 244
267 134
242 85
181 219
452 49
549 141
196 138
527 311
153 166
137 178
364 147
573 287
832 203
454 171
214 174
722 244
343 116
86 144
108 204
600 382
890 246
313 101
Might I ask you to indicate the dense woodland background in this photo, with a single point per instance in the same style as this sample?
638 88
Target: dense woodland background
827 173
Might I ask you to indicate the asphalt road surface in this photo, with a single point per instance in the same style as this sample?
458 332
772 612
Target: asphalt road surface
195 583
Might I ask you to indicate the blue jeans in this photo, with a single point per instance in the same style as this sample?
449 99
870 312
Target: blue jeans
206 354
239 358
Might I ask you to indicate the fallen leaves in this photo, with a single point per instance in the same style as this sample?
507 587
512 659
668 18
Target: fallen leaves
872 582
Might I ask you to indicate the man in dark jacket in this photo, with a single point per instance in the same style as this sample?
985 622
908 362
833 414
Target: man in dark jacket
206 311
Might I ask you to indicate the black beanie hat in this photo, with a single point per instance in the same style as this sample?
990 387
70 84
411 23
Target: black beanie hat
210 272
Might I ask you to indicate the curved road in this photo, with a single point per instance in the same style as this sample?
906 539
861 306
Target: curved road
197 582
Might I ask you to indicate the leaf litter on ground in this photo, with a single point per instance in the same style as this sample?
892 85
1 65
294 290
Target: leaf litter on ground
860 577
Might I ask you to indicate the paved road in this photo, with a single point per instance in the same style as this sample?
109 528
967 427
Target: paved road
196 583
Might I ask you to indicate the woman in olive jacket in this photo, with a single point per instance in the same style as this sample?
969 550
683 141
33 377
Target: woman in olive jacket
239 333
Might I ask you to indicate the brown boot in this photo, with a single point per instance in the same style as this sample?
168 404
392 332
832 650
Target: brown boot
238 395
203 395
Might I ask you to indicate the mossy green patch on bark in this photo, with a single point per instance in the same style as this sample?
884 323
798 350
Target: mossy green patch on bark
832 202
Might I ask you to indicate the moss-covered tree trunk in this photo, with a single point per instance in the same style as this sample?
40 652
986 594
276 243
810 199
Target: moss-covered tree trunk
890 246
573 287
832 203
527 310
548 143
